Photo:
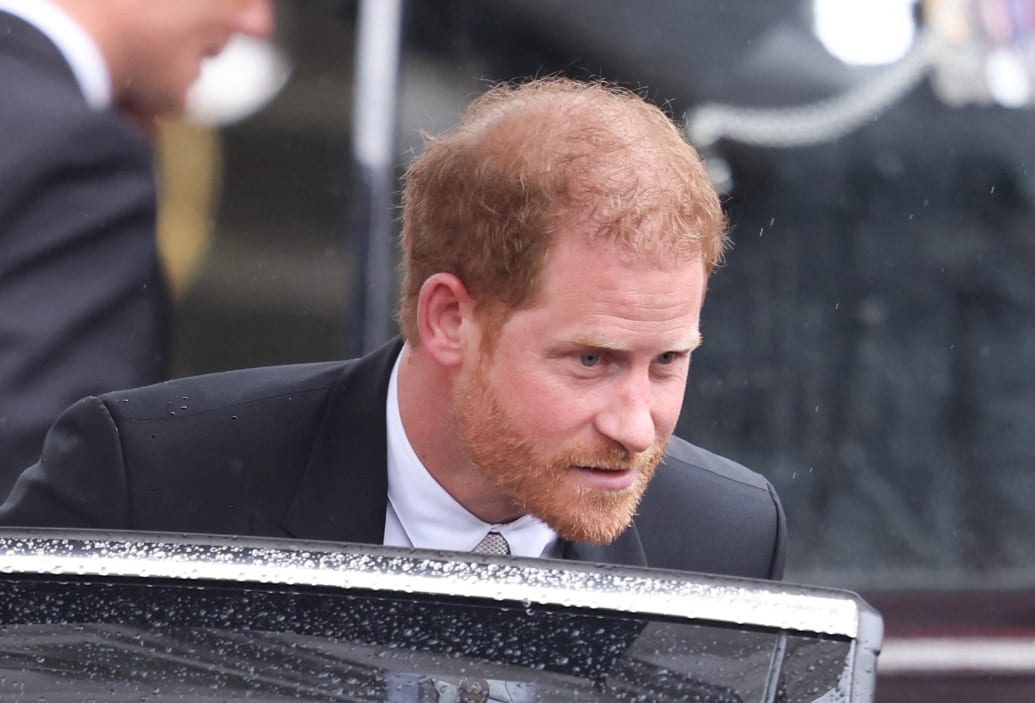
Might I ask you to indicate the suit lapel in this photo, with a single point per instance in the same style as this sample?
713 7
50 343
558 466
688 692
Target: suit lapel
343 493
626 550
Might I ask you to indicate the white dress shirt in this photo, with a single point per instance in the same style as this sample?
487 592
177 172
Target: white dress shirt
75 44
422 514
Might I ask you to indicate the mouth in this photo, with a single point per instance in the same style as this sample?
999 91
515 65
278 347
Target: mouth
606 478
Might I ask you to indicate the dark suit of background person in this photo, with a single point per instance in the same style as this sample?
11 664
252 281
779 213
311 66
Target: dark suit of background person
83 304
300 451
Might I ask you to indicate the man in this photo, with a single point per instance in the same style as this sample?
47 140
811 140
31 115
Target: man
83 304
556 246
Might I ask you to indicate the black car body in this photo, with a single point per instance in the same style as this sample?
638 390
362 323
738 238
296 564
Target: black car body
145 617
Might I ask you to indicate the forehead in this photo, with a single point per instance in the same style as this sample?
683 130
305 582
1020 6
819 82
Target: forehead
579 259
601 293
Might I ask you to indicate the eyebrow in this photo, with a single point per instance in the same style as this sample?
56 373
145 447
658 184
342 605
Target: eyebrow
598 341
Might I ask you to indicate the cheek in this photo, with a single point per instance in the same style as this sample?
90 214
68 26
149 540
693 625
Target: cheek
667 406
542 408
169 64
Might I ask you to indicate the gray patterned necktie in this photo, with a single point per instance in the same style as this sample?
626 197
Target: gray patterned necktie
492 543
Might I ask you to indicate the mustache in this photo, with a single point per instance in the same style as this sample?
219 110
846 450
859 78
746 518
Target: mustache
614 457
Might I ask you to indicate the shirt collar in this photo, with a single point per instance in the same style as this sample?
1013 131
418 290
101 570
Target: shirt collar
75 44
433 519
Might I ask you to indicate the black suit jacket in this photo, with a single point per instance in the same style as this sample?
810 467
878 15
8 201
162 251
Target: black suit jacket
300 451
83 305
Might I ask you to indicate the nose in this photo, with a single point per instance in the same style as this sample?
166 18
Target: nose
627 417
255 18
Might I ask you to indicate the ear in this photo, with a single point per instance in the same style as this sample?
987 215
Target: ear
445 312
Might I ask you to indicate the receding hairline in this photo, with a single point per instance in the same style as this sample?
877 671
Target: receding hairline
567 106
588 150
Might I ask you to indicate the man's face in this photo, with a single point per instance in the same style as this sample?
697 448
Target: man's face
167 40
570 415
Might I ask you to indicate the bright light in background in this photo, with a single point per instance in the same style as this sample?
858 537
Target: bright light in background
865 32
238 82
1008 81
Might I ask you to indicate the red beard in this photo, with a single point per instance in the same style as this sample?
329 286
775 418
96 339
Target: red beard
552 488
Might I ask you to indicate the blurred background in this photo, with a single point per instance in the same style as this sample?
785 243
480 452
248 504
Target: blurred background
870 341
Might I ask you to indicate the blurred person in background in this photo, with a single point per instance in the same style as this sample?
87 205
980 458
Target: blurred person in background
556 249
83 300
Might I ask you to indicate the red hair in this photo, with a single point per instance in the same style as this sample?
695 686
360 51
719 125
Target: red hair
485 200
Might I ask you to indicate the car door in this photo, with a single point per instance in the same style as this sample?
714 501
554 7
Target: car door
146 617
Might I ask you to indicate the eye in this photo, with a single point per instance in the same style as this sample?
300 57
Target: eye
589 359
666 358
